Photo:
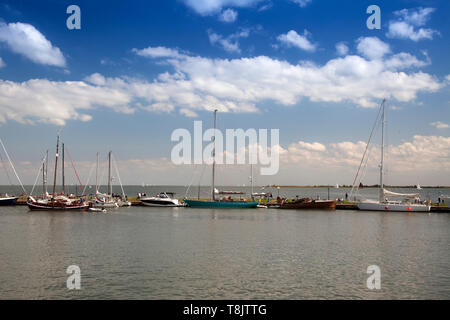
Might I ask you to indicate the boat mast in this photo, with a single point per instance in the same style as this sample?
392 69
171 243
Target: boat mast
46 172
56 166
214 159
381 195
109 174
43 177
62 168
96 176
251 179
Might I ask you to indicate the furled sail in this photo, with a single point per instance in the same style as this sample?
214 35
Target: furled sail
404 195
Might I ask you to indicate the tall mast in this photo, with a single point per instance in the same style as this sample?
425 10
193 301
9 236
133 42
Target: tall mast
251 179
43 177
56 166
96 176
62 168
214 158
46 172
381 195
109 174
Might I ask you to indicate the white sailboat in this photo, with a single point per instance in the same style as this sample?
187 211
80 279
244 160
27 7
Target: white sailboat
408 203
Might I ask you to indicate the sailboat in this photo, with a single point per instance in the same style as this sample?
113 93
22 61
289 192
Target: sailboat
107 200
410 201
57 201
103 200
226 201
5 199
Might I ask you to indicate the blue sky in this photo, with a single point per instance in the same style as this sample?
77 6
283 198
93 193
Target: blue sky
137 70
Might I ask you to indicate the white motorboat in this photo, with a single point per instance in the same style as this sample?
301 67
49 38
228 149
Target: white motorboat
164 199
409 202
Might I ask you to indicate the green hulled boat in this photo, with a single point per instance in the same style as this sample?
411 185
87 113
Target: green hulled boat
224 203
220 204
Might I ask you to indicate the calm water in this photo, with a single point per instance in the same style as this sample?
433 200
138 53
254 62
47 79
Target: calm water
185 253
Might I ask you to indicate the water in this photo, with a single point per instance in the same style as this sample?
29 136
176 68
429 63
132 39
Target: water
186 253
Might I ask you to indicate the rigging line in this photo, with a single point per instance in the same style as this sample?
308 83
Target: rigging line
117 172
39 173
12 166
101 176
365 151
73 166
6 170
192 180
89 178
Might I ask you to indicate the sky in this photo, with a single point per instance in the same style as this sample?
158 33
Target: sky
135 71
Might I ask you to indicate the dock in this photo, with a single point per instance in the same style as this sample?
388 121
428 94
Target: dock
339 206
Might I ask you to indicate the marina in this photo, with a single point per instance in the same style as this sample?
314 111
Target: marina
192 253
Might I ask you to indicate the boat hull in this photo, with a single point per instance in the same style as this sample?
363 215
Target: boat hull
310 205
220 204
57 206
397 207
9 201
105 205
155 202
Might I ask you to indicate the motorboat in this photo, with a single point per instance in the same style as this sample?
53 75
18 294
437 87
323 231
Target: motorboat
163 199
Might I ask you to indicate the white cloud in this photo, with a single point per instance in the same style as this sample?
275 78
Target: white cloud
208 7
405 60
341 49
188 113
417 17
407 20
229 43
26 40
293 39
56 102
228 15
439 125
419 156
302 3
372 47
158 52
2 63
229 85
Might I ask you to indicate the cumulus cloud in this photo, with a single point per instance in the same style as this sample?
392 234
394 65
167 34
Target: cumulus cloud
341 49
293 39
405 60
372 47
408 23
24 39
208 7
418 155
238 85
56 102
439 125
229 43
228 15
158 52
302 3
